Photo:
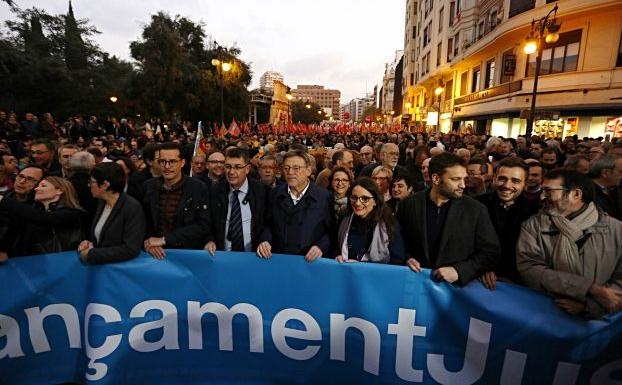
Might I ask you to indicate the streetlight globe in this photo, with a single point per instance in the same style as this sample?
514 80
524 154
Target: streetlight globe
308 106
226 66
114 99
289 96
552 37
215 62
530 47
408 105
438 90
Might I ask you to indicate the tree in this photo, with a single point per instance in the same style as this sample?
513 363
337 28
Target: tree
176 75
302 114
373 112
75 49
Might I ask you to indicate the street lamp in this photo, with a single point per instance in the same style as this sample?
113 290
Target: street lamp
542 30
114 99
221 67
289 97
438 92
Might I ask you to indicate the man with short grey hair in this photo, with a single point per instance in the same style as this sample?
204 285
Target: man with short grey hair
80 165
606 173
389 156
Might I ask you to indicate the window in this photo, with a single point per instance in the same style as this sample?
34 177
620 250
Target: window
450 47
476 79
493 19
425 36
452 12
520 6
449 87
480 29
414 32
441 21
439 53
490 74
412 80
464 78
456 40
562 56
619 61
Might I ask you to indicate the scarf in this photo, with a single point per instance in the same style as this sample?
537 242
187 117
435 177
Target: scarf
565 251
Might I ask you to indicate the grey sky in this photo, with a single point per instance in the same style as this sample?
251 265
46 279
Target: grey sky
340 44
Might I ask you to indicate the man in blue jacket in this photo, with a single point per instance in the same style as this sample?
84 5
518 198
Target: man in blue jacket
299 214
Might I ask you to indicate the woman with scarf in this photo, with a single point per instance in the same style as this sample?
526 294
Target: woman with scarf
339 183
369 232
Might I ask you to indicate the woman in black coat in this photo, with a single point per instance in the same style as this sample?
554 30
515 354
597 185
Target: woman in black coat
53 224
118 229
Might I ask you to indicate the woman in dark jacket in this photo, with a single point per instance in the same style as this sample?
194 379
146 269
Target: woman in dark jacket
118 229
53 224
368 231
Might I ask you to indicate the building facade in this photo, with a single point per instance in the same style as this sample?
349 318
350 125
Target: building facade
387 92
473 49
328 99
266 81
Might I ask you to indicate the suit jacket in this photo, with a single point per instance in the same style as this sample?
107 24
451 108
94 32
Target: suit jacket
293 229
257 198
468 240
122 235
192 222
80 182
609 203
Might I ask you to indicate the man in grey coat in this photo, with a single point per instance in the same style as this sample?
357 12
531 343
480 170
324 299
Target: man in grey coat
571 250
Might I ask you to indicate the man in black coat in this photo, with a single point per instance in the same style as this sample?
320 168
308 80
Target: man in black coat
445 230
80 164
508 209
176 206
299 214
137 179
237 226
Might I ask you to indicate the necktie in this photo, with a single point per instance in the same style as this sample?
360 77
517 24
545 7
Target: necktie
235 234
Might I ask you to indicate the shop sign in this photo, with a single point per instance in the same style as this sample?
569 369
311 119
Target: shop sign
490 92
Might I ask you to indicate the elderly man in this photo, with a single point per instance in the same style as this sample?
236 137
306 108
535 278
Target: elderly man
571 250
299 214
446 231
366 156
79 166
389 155
267 170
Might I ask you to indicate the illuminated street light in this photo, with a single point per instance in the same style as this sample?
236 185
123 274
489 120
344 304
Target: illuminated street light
438 91
546 29
114 99
226 66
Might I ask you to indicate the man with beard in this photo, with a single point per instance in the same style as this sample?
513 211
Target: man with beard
572 250
534 180
548 159
445 230
508 209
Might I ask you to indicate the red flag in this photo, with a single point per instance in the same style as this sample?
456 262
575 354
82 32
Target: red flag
234 130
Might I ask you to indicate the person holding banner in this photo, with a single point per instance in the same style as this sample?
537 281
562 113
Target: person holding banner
118 229
54 224
237 206
299 214
446 231
369 232
571 249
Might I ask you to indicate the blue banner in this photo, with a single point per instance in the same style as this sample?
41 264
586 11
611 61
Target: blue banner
192 318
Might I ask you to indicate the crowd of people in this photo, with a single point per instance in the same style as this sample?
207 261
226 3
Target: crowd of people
527 211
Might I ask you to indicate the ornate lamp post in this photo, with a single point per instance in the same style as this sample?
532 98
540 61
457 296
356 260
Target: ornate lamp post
438 91
221 67
542 30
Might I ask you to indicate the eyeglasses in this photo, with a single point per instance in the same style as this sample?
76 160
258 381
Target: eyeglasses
363 199
168 162
26 178
236 167
294 169
547 191
342 181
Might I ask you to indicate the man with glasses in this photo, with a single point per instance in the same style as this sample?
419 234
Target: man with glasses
475 182
216 166
299 214
572 250
389 155
237 206
446 231
23 191
606 173
267 171
175 206
42 153
366 156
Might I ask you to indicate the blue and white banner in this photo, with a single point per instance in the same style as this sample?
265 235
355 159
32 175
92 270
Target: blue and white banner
197 319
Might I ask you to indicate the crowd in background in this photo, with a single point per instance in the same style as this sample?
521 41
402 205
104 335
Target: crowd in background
532 211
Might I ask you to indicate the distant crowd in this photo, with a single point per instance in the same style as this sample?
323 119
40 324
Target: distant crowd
544 213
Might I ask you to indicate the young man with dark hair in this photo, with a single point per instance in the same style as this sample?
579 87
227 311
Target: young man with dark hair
42 153
571 250
446 231
508 209
176 206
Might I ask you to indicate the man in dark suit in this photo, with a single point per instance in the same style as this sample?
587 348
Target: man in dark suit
237 206
606 173
299 214
445 230
175 205
508 209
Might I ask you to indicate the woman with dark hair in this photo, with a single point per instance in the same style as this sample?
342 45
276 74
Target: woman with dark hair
369 232
339 182
118 229
129 168
53 224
